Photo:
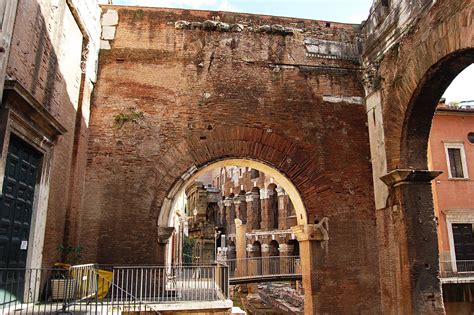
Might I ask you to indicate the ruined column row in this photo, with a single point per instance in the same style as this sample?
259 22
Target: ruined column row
263 209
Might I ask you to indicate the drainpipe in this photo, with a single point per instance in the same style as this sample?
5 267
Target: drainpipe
8 9
70 214
6 34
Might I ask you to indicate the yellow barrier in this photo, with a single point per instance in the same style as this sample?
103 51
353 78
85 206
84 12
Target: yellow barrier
84 280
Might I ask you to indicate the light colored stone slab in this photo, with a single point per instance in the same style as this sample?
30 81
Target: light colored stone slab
108 32
110 18
104 44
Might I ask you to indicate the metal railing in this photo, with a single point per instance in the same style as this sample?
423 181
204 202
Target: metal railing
457 269
154 284
85 289
264 266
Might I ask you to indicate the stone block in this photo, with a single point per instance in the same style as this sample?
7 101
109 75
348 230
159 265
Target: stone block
104 44
110 18
108 32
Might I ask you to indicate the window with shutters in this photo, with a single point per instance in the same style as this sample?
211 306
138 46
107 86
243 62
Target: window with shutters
456 160
254 174
463 236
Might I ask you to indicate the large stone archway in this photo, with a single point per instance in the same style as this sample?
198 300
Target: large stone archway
171 100
193 173
411 58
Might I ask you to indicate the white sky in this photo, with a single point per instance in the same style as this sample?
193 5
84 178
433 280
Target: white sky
349 11
462 88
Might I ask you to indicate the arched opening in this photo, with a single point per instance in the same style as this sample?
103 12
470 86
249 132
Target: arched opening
229 206
274 259
242 204
422 107
255 203
256 254
254 213
294 248
432 146
272 207
165 217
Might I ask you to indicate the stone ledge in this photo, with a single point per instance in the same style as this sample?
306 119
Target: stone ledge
401 176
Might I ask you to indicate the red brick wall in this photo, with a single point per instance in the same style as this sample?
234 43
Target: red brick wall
415 73
45 58
212 95
411 76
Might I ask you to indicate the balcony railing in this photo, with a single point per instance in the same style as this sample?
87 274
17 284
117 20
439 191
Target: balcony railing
170 284
457 271
85 289
273 266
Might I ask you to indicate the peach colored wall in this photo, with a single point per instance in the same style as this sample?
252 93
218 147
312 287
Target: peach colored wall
451 193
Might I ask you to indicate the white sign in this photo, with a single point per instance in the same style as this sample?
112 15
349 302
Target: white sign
24 245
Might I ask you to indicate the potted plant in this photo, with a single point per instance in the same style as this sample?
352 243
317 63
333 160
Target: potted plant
63 286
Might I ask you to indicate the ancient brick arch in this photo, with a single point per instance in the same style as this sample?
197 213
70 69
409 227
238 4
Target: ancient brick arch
436 43
422 105
171 100
259 147
415 73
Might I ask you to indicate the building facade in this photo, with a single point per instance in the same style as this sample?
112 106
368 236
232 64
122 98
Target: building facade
260 204
322 107
451 150
48 63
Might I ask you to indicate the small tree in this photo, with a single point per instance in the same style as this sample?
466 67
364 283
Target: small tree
454 104
188 246
70 254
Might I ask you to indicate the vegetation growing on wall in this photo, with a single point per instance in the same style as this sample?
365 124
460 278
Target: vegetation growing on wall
133 116
188 245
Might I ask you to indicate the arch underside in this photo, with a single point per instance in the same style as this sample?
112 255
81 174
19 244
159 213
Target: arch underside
260 149
423 105
427 62
281 179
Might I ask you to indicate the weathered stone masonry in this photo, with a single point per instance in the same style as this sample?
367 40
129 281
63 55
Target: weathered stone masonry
49 79
413 51
290 99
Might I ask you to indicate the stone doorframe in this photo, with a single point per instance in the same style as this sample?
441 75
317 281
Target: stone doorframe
23 116
454 216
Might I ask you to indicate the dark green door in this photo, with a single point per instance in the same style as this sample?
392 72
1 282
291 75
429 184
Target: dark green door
463 235
16 205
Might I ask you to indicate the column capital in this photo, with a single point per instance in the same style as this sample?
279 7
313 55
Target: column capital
239 199
250 196
251 248
312 232
228 202
164 234
266 193
280 191
409 176
286 248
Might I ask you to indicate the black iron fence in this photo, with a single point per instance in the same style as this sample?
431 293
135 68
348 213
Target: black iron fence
85 289
461 269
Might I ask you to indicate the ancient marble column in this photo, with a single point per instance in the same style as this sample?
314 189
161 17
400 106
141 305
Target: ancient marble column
265 259
286 263
282 208
229 220
253 211
267 213
241 247
240 208
312 240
